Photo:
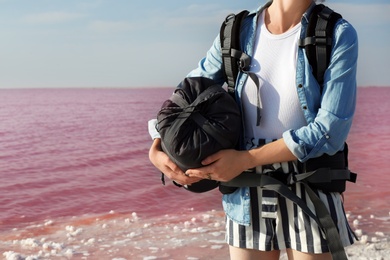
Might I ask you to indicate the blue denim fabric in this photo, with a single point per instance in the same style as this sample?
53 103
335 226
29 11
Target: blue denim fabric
328 115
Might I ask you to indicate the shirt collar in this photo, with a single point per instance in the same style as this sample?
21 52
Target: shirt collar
306 15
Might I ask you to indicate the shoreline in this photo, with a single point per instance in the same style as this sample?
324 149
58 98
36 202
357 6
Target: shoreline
127 236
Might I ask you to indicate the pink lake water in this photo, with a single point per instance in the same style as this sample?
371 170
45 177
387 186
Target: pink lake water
74 158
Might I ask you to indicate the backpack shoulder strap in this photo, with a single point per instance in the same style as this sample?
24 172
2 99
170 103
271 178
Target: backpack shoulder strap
233 58
318 39
230 47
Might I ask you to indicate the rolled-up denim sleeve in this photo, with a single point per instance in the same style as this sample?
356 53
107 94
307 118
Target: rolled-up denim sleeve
328 130
152 123
211 65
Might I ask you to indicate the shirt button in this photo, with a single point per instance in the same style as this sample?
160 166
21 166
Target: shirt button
327 136
300 86
304 107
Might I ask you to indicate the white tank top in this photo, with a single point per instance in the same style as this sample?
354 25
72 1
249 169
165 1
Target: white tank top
274 63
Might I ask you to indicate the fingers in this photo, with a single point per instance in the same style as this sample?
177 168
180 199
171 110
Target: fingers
165 165
203 173
211 159
181 177
221 166
174 173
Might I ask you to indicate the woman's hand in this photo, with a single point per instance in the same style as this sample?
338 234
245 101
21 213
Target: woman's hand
222 166
162 162
227 164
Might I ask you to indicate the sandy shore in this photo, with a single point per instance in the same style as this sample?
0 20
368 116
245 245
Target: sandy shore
127 236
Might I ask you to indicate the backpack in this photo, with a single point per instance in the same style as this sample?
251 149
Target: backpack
318 46
328 173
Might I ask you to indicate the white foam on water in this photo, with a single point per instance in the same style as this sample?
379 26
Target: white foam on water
115 236
119 236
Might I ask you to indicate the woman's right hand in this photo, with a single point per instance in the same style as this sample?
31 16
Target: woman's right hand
162 162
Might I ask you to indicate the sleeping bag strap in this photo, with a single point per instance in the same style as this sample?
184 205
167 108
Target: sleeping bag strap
189 111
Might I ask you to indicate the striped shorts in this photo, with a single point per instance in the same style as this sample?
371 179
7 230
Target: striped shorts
277 223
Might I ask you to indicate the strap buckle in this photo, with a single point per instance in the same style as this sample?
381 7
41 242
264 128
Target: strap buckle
292 179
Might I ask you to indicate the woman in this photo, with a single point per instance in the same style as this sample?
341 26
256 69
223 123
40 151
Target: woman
304 122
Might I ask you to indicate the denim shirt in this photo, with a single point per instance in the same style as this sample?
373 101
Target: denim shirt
328 114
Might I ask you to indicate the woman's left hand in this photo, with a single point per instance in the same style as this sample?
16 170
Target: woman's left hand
221 166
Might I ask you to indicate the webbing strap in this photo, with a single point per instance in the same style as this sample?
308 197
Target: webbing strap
189 111
321 43
318 39
255 79
312 41
230 31
331 233
233 59
244 62
322 216
323 175
210 129
269 183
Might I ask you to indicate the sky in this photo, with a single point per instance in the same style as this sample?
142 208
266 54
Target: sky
139 43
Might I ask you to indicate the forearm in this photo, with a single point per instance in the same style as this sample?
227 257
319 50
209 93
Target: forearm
273 152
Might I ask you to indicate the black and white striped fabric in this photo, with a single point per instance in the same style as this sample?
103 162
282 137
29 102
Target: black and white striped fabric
278 223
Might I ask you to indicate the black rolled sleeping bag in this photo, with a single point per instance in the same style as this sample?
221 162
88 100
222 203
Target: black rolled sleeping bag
198 120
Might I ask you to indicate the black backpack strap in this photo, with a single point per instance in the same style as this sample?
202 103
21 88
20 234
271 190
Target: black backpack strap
335 246
322 216
233 58
230 47
318 40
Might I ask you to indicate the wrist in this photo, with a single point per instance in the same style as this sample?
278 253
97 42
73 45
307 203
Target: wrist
253 158
156 145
